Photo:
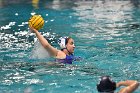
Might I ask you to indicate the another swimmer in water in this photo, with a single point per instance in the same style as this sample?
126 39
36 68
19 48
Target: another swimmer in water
106 85
65 55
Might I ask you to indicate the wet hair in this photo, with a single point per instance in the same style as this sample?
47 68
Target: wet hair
106 85
67 39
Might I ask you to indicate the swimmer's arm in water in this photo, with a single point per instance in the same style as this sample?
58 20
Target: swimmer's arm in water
131 86
53 51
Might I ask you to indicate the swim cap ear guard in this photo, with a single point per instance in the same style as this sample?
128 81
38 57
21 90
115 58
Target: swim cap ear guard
106 85
62 42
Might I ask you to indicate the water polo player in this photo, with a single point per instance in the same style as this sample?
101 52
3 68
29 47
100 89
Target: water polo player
106 85
65 55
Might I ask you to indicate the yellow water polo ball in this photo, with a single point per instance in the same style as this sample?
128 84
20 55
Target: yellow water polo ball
36 21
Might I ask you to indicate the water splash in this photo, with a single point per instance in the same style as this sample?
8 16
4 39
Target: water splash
26 40
39 51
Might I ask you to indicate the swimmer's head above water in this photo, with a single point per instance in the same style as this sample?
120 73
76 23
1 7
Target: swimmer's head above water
106 85
62 41
66 43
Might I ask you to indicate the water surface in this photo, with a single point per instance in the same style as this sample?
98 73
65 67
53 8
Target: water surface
106 35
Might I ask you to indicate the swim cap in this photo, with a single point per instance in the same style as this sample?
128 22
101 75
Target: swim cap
106 85
62 42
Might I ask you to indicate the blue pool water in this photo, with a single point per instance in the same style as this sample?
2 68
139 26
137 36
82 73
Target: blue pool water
106 34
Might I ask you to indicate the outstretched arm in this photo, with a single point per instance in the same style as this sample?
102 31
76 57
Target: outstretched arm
52 51
131 85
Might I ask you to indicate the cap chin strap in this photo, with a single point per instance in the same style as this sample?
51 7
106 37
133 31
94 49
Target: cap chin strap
68 51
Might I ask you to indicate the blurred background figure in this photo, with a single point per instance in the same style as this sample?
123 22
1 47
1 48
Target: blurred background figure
107 85
35 3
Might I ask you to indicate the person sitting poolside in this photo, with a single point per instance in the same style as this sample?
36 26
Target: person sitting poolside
106 85
65 55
